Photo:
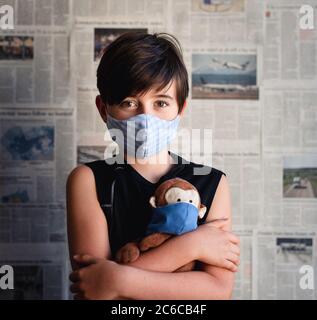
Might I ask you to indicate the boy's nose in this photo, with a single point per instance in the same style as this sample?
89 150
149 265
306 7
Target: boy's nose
145 108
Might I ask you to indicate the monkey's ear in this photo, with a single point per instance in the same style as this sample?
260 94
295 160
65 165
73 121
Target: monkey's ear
202 211
152 202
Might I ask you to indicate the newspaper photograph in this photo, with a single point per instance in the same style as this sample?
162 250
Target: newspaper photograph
281 180
300 176
283 264
226 74
103 37
16 48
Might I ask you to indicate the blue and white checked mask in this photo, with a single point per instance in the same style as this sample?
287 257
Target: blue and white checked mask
143 135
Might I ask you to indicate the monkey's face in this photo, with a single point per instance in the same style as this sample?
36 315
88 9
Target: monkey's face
175 194
177 190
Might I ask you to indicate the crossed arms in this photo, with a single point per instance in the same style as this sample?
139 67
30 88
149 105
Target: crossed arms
152 275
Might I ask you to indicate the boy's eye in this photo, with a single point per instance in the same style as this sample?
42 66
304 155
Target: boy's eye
129 104
161 104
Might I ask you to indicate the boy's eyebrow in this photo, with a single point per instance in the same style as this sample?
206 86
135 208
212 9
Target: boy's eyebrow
163 96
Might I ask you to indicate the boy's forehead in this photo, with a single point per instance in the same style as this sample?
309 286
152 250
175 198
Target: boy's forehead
169 90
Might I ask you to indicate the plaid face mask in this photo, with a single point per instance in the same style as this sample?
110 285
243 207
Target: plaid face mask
176 218
143 135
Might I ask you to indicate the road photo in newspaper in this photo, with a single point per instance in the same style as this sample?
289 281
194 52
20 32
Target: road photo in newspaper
284 264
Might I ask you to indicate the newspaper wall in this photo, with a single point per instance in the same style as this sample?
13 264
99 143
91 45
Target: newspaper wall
243 278
252 75
37 147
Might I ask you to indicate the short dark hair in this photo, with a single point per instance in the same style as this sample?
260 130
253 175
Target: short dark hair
136 62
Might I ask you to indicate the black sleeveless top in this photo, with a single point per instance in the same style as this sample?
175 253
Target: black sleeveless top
129 215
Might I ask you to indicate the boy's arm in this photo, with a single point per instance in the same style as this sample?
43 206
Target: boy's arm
221 207
141 284
215 282
208 283
86 223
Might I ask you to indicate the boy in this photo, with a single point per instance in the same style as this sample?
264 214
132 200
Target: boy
142 80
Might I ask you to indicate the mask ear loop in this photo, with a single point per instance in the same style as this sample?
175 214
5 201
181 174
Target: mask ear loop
109 206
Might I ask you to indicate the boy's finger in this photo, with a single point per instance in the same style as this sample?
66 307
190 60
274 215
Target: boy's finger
230 266
84 259
74 276
233 238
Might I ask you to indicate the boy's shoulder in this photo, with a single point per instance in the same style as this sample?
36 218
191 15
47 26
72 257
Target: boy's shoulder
100 163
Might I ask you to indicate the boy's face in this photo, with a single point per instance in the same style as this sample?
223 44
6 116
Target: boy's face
162 104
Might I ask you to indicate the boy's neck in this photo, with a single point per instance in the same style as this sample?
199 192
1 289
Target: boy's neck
152 168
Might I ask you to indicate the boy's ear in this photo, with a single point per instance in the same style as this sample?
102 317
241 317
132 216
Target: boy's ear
101 108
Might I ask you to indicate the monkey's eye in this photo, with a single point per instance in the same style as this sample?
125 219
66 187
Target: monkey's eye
178 199
190 201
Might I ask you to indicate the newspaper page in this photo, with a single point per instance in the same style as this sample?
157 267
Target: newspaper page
290 53
244 173
37 152
243 278
235 127
34 56
290 189
50 13
284 261
198 23
32 223
289 120
34 68
39 271
99 11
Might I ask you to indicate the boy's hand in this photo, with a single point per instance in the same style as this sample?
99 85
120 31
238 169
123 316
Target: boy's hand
217 247
95 279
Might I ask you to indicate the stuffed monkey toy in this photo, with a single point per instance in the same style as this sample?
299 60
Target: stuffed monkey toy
176 208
